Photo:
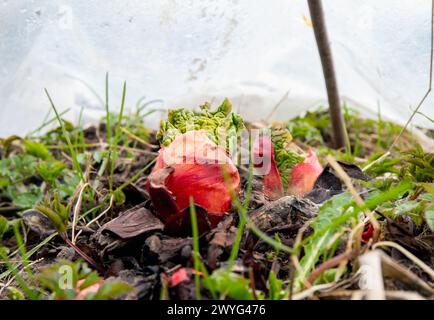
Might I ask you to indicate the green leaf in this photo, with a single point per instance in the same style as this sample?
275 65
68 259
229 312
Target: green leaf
275 287
55 211
230 284
49 171
303 130
111 290
392 193
3 226
15 294
4 251
429 215
119 197
4 182
99 155
429 187
427 197
328 276
325 227
90 279
406 207
37 149
26 200
330 210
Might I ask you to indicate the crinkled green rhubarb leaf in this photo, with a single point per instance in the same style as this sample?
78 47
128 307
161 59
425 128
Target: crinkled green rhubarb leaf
286 159
222 124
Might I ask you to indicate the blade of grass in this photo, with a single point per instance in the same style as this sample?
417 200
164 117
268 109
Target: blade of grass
242 222
135 177
68 140
138 103
28 255
91 89
22 249
236 245
196 258
47 122
108 123
380 126
242 211
116 139
78 134
143 106
23 285
426 117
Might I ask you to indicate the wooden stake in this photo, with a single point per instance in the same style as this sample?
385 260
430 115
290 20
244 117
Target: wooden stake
340 137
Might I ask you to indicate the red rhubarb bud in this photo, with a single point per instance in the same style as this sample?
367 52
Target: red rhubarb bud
263 157
368 232
192 166
304 175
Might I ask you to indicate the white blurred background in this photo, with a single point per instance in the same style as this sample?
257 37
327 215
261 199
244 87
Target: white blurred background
187 52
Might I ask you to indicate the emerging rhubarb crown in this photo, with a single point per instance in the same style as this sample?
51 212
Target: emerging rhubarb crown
288 170
192 163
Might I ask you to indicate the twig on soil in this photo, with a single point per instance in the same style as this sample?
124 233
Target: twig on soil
80 252
102 213
133 136
77 211
408 254
310 291
394 270
384 156
98 217
329 264
294 255
394 295
355 234
252 283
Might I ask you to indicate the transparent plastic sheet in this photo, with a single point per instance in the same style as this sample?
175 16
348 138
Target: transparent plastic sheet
188 52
